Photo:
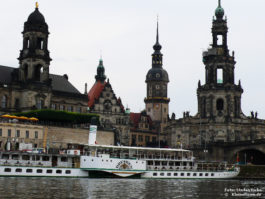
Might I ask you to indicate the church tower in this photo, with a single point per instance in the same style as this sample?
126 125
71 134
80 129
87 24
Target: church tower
219 98
34 59
156 102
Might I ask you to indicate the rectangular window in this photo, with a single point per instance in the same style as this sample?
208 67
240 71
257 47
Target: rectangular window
27 134
219 40
175 174
140 138
153 139
70 108
0 132
49 171
9 132
78 109
147 138
36 134
54 106
18 133
219 76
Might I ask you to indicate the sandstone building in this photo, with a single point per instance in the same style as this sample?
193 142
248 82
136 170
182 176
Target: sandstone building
103 101
220 117
31 86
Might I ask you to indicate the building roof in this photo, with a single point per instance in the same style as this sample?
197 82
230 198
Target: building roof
6 74
136 118
59 82
95 92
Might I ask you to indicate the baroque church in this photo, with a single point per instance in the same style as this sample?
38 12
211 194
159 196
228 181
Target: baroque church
220 117
31 86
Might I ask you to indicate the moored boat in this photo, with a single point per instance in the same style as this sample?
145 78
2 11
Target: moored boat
40 165
142 162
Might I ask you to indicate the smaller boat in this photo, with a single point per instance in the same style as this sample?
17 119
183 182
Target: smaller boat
40 164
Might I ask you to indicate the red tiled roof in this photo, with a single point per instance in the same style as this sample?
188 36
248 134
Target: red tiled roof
136 117
95 92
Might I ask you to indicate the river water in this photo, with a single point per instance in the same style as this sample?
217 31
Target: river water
33 188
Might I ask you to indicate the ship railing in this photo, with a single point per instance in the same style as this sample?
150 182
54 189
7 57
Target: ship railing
25 163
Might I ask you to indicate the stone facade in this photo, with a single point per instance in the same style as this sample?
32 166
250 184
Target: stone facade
219 117
31 86
103 101
16 133
48 136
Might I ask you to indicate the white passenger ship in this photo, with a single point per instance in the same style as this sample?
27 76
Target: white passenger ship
141 162
40 165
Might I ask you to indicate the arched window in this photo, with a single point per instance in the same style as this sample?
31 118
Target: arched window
4 102
220 104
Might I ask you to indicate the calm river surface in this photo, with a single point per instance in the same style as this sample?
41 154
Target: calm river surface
31 188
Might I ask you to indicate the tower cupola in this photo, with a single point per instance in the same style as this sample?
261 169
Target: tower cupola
34 58
219 11
100 72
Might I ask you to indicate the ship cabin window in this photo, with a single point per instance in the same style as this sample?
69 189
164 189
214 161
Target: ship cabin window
157 163
59 171
19 170
25 157
184 163
182 174
154 174
49 171
7 170
206 174
188 174
162 174
164 163
212 174
36 158
39 170
45 158
29 170
175 174
171 163
64 159
194 174
177 163
200 174
68 172
168 174
149 162
15 157
5 156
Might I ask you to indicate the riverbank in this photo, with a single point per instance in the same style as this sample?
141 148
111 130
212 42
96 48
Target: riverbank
251 172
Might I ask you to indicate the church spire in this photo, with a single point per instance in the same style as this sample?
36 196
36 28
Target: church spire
157 46
157 55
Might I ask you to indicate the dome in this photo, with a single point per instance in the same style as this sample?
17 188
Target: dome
157 74
36 18
219 11
36 22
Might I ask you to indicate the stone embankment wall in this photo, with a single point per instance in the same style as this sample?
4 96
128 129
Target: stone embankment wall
252 172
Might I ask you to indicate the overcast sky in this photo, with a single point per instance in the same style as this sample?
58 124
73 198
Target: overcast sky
124 30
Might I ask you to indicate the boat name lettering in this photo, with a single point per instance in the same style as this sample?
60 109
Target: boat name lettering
124 164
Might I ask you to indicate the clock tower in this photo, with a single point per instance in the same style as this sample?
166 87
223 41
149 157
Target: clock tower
156 102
